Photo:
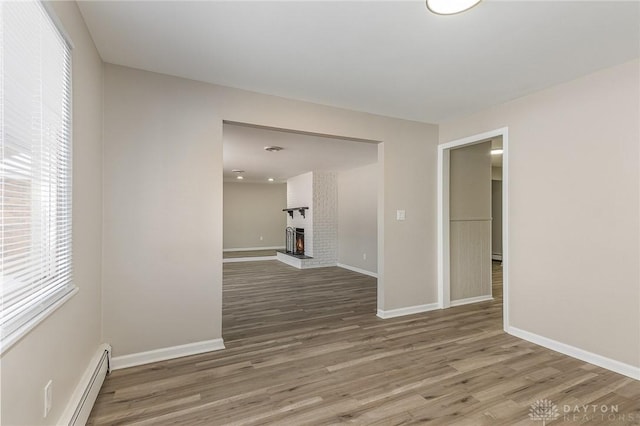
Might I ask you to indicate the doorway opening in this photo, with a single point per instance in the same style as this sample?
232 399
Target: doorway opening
313 200
452 229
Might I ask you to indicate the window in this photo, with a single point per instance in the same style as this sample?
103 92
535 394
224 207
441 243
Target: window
35 168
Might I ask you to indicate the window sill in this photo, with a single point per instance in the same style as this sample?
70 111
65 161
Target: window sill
11 339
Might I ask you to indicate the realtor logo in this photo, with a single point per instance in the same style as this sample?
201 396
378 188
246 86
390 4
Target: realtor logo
544 410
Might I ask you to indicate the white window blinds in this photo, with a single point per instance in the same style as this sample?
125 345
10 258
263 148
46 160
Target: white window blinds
35 165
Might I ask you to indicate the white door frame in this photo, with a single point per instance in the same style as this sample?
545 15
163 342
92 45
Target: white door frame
444 266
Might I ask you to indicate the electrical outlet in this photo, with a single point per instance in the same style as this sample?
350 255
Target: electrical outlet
261 238
364 256
48 397
400 215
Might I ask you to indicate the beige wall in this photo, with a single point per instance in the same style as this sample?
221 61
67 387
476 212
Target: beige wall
357 217
163 227
162 251
496 173
252 211
496 210
61 347
580 139
470 221
470 182
496 216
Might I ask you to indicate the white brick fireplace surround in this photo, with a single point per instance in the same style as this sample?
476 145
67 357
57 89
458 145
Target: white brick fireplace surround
319 192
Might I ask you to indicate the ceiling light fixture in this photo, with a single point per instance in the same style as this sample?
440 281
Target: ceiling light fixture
450 7
237 171
497 151
273 148
239 177
270 179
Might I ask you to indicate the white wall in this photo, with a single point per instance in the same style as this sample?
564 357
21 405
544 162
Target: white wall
325 220
163 135
252 211
574 181
357 218
300 194
61 347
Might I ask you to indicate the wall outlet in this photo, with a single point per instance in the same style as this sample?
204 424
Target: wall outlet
261 238
400 215
48 397
364 256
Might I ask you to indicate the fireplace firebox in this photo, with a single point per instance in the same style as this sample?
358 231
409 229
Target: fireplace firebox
295 241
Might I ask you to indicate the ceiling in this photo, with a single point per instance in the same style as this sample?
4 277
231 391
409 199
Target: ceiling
243 148
385 57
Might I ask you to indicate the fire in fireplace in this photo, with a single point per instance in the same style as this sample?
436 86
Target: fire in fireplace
295 240
300 241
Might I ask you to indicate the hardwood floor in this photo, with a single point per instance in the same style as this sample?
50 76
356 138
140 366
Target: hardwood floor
271 297
496 280
247 253
305 347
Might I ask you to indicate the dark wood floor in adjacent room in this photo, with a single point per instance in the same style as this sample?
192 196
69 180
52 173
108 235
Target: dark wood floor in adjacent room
248 253
305 347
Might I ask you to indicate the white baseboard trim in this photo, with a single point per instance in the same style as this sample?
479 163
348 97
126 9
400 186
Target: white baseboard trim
358 270
164 354
581 354
255 248
84 395
496 257
470 300
249 259
407 311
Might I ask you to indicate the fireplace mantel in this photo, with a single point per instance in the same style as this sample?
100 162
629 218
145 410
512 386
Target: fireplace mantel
293 209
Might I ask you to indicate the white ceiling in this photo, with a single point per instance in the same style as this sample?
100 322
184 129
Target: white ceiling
243 148
386 57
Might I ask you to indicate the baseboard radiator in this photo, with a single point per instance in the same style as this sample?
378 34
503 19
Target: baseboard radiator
92 382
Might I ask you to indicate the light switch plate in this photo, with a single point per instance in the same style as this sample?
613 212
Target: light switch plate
400 214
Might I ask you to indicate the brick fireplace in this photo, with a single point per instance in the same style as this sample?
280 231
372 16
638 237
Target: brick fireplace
312 204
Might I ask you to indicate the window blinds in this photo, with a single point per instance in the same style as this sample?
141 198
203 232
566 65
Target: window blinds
35 165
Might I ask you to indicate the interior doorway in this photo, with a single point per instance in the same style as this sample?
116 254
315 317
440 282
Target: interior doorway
312 201
469 222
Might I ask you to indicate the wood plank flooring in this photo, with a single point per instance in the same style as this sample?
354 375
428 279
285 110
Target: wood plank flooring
271 297
305 347
247 253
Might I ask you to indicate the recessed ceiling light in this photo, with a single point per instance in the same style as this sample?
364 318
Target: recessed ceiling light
497 151
239 177
237 171
450 7
273 148
270 179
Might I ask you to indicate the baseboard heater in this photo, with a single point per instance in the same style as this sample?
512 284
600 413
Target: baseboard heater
92 382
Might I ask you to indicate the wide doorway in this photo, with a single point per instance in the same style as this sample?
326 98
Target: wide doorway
300 229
